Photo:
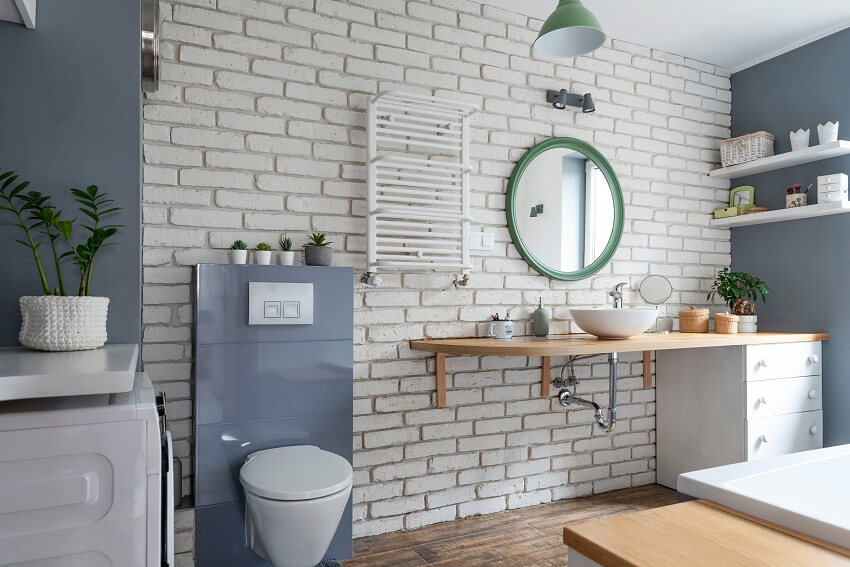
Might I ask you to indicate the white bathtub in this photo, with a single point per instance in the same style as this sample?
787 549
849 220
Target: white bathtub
808 492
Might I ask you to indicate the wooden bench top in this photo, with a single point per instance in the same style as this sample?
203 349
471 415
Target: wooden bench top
698 534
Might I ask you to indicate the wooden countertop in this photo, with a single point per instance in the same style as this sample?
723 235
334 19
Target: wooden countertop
697 534
564 345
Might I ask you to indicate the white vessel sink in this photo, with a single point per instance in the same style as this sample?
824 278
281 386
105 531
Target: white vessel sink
610 323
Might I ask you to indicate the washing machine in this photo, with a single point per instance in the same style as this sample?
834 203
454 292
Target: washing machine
85 481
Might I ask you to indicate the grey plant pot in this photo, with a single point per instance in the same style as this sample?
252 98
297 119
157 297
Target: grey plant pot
318 255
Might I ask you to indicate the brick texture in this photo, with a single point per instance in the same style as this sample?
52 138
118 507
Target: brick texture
258 129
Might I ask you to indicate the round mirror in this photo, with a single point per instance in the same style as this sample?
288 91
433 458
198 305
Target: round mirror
655 290
565 209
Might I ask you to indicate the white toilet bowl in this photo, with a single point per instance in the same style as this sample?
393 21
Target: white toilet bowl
294 497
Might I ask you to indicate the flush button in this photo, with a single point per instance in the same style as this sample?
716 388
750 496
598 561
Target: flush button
291 309
271 309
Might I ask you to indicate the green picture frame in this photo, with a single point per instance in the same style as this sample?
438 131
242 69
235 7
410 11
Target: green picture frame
742 189
616 193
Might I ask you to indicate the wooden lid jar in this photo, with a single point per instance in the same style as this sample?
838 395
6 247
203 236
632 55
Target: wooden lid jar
694 320
726 323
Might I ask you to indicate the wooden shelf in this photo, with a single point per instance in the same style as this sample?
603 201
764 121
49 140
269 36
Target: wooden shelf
781 161
779 215
568 345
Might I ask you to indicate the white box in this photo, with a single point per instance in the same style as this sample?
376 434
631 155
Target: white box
833 178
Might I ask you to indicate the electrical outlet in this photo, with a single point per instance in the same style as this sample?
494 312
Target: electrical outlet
482 241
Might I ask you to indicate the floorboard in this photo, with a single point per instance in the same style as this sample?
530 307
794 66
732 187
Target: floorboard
528 537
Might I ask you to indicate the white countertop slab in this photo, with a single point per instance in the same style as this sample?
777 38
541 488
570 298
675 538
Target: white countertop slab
28 373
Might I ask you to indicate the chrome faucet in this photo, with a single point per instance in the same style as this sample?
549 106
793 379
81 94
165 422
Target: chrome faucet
617 294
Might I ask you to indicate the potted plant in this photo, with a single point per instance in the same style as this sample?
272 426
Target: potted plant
61 319
238 252
287 254
317 251
263 254
740 291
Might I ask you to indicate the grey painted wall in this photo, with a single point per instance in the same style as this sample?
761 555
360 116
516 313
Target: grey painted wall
805 262
70 116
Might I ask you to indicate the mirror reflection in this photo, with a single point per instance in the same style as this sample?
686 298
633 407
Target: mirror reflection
564 209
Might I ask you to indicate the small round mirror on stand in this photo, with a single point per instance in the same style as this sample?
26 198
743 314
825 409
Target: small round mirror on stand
656 290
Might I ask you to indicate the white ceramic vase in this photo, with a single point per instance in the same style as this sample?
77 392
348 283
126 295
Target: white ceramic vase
238 256
287 257
800 139
827 132
63 323
747 323
263 257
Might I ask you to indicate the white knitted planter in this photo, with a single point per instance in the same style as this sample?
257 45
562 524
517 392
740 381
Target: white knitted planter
63 323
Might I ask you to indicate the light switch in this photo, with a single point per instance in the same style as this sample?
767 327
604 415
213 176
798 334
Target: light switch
291 309
280 303
271 309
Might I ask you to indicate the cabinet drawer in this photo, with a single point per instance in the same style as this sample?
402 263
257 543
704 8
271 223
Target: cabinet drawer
783 395
784 360
783 434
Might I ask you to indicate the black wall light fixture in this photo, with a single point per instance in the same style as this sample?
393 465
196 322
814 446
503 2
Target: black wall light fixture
561 99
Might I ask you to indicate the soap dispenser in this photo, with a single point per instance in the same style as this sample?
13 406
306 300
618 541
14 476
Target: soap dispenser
540 320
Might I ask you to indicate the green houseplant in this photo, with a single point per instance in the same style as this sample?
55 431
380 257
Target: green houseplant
287 255
317 250
64 318
740 291
263 254
238 252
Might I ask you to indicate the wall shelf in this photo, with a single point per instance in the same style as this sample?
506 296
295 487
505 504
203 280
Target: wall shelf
781 161
567 345
780 215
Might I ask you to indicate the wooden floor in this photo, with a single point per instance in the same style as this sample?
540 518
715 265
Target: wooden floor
517 538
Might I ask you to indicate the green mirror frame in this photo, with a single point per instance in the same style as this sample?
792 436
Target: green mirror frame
616 195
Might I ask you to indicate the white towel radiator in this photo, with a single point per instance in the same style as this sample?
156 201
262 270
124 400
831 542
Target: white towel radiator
418 183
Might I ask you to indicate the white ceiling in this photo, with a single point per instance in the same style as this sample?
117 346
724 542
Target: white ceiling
735 34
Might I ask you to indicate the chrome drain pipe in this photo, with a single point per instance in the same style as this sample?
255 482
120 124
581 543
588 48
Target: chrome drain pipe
567 398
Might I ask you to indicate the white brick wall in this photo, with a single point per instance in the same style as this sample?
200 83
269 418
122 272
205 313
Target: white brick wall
258 128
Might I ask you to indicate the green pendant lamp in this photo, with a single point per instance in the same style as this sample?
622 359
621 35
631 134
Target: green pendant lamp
570 30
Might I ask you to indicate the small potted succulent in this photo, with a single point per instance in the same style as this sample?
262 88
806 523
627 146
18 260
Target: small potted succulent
287 254
317 251
238 252
740 291
61 319
263 254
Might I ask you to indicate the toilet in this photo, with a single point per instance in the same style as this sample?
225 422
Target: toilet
294 499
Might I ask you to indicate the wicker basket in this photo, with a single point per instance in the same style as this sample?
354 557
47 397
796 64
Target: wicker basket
746 148
694 320
63 323
726 323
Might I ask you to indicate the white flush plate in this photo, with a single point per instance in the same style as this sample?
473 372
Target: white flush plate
274 303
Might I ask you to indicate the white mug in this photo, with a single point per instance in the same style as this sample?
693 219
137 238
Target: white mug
501 329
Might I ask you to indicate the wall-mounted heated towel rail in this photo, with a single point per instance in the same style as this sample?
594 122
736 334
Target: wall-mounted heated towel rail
418 183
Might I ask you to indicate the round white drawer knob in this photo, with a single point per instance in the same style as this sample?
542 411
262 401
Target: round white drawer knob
763 363
763 400
813 358
813 394
814 429
762 439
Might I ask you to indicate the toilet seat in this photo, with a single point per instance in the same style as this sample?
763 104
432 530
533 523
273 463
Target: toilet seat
301 472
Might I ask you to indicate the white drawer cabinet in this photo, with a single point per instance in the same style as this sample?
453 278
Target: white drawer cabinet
783 434
717 406
784 395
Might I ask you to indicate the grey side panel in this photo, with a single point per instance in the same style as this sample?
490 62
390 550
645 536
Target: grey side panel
259 387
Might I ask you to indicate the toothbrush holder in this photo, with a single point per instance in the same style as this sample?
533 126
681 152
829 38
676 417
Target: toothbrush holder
827 132
800 139
795 200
